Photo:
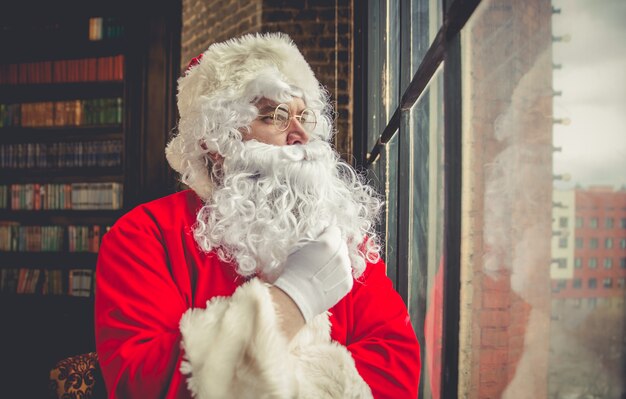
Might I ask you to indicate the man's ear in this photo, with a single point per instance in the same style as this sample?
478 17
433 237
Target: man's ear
215 157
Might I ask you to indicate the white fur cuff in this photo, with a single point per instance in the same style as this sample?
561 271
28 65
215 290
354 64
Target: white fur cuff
234 349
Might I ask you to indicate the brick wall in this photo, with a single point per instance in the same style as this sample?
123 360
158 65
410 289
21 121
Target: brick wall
322 29
209 21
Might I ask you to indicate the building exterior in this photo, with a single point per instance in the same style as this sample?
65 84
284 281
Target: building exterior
595 254
587 337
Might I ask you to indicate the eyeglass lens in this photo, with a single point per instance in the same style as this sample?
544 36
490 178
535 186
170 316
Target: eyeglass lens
282 116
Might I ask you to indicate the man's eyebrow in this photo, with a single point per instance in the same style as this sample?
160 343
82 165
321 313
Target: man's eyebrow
267 108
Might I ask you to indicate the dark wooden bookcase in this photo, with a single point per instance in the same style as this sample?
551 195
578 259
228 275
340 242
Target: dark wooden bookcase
40 329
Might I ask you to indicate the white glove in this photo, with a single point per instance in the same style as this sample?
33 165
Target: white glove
318 274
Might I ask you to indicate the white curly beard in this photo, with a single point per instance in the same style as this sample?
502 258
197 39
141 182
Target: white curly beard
270 197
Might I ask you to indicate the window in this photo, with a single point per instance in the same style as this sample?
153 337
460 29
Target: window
593 223
464 157
622 243
622 223
622 263
607 283
561 263
579 242
608 243
563 242
621 282
608 223
578 263
608 263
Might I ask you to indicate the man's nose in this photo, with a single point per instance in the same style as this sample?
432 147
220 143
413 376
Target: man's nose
296 133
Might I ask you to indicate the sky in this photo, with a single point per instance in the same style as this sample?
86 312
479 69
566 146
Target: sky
593 85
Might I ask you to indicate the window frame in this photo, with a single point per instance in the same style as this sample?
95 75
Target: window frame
445 48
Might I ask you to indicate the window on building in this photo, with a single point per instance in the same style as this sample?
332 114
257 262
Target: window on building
593 263
578 263
608 223
622 263
622 243
593 223
561 284
593 243
563 242
592 283
621 282
623 223
608 282
579 242
608 263
608 243
577 283
563 221
579 222
561 263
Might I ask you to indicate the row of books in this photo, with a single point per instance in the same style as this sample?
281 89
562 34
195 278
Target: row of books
98 111
102 28
61 196
95 69
106 153
74 282
17 238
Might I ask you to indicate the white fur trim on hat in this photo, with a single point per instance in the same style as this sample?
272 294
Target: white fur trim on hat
216 99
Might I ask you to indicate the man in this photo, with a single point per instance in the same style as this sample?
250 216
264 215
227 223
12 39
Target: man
264 279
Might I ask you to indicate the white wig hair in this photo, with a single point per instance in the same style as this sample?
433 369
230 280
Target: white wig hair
216 100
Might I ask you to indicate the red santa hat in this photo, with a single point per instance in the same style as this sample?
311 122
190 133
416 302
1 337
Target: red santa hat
217 93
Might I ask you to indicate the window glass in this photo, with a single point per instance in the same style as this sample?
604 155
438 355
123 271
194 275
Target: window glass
426 268
426 19
537 78
383 175
383 41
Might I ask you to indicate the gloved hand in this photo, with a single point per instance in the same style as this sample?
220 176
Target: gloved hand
318 274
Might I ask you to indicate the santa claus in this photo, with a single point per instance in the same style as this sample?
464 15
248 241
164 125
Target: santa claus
263 280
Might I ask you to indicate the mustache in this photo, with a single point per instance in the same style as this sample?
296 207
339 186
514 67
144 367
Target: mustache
263 159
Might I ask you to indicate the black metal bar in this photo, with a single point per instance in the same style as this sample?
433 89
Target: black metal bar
359 90
452 218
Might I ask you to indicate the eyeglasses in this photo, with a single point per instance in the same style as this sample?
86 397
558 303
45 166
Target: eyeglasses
282 118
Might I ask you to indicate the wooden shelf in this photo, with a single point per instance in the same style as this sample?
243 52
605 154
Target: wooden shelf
16 135
62 302
48 260
62 217
62 175
60 91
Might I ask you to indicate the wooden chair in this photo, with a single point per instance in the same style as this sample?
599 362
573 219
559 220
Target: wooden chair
77 377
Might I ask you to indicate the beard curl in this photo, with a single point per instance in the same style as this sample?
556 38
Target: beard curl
272 198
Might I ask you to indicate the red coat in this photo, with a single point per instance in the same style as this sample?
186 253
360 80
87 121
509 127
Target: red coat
150 271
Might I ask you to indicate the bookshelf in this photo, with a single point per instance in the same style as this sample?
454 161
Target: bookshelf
86 106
